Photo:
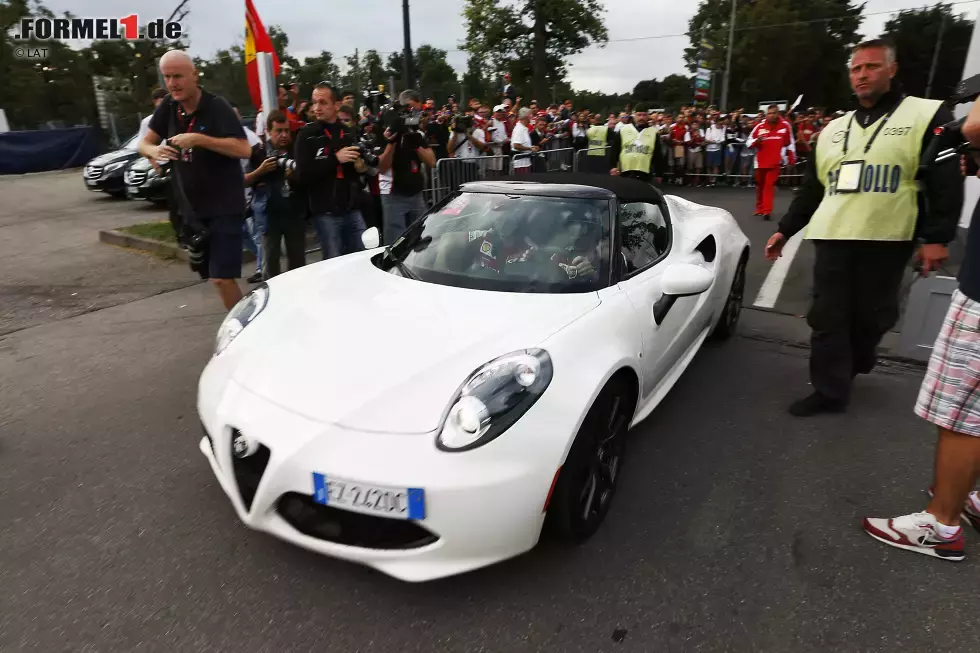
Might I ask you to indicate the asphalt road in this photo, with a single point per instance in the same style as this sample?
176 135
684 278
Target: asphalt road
737 527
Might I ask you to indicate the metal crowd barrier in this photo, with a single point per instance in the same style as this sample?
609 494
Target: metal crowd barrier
558 160
452 173
593 159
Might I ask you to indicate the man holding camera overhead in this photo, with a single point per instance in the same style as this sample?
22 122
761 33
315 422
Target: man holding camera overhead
327 172
860 203
407 149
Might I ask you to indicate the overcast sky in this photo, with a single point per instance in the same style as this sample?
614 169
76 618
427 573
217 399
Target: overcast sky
339 27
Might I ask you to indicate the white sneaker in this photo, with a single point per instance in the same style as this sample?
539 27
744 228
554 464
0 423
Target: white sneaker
917 532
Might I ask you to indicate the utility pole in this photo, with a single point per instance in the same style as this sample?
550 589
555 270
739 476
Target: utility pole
728 60
357 84
935 56
407 57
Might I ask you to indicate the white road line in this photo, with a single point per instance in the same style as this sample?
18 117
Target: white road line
769 292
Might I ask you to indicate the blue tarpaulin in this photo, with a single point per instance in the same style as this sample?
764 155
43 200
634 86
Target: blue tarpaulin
48 149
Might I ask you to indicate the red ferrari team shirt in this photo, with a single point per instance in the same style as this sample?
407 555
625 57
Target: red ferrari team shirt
769 143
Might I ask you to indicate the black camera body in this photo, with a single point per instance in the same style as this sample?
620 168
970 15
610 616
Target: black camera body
462 123
399 118
370 150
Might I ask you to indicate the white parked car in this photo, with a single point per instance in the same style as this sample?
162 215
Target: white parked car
427 408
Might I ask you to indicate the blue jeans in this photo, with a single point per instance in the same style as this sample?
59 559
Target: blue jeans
256 226
399 212
339 233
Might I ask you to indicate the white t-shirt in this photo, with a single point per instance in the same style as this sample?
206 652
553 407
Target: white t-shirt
260 124
144 127
715 137
253 140
384 182
521 136
464 148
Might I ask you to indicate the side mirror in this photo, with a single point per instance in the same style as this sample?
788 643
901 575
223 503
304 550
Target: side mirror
680 280
371 238
685 279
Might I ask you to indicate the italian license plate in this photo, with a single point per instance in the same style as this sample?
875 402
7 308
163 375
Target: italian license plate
378 500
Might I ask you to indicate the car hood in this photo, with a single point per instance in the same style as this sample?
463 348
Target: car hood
112 157
346 343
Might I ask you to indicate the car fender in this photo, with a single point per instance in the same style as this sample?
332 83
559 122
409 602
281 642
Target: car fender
586 355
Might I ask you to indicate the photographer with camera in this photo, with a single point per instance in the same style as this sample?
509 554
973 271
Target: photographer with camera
327 171
205 142
860 205
284 217
406 150
467 142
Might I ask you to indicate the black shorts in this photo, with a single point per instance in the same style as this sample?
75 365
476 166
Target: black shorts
224 248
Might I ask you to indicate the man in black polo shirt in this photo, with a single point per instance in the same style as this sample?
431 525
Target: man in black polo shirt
404 156
205 141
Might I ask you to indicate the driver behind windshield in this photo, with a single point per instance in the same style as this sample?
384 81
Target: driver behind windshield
543 235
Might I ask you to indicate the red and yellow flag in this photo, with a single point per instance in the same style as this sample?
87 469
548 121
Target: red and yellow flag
256 40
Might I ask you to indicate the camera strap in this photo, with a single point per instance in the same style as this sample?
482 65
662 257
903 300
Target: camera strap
340 166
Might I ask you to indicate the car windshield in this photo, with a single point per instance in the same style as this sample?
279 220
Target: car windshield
511 243
132 143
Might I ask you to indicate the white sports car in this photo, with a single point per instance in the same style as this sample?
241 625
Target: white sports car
427 408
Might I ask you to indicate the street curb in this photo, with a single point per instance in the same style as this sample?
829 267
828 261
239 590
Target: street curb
158 247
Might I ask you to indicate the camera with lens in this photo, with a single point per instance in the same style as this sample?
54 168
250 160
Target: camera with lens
462 123
399 118
370 150
285 163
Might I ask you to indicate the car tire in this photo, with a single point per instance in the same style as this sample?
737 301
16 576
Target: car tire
728 322
588 480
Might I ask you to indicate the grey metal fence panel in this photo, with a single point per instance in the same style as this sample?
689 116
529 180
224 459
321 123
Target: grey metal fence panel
452 173
592 160
559 160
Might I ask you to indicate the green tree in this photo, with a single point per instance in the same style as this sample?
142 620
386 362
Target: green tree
373 70
314 70
915 33
542 33
437 79
774 45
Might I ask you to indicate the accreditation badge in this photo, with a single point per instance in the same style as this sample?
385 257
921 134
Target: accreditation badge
849 177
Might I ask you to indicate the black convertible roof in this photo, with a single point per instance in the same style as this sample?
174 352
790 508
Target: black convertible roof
570 184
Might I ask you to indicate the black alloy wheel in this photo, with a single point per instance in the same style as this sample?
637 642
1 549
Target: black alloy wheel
589 478
733 306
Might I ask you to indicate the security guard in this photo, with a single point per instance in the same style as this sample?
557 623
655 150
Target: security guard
598 135
862 204
635 151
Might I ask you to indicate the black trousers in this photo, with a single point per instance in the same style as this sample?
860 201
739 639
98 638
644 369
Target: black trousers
855 302
293 231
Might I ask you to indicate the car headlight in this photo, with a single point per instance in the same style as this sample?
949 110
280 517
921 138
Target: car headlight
493 398
239 317
112 167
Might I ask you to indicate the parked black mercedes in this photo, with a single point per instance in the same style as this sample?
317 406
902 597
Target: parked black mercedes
104 173
144 182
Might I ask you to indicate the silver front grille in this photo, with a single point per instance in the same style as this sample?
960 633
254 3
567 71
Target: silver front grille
92 172
135 177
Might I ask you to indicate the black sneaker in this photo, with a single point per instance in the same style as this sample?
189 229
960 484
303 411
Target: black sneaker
255 278
766 217
815 404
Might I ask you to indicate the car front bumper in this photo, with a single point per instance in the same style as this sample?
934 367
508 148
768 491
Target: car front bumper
481 506
111 183
154 190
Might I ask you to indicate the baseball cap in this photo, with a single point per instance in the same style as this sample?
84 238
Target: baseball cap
500 107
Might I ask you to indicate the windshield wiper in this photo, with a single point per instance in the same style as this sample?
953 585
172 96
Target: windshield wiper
400 264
